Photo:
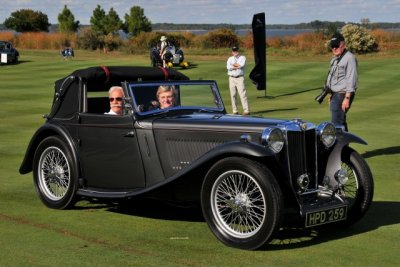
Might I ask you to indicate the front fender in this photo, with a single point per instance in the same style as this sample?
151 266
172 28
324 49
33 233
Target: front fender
43 132
334 159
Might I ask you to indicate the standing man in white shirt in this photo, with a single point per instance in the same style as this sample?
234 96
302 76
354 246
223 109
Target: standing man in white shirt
236 66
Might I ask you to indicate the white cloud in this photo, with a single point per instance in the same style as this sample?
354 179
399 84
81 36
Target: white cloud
223 11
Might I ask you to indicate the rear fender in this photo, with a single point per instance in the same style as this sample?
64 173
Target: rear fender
43 132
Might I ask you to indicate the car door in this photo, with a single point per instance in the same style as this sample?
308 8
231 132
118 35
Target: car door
109 152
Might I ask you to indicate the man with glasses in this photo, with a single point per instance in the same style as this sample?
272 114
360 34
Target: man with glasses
116 97
342 80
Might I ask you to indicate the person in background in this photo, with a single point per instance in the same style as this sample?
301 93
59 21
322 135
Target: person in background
166 96
116 97
163 49
342 80
236 66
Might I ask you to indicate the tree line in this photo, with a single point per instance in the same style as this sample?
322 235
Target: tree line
27 20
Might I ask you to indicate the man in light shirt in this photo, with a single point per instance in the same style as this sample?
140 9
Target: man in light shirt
236 66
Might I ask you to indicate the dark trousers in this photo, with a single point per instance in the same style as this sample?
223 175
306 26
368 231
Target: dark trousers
338 115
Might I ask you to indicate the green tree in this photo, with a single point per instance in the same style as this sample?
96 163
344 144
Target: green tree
97 20
103 23
136 21
66 21
112 23
27 20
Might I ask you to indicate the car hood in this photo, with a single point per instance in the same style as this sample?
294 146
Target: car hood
211 122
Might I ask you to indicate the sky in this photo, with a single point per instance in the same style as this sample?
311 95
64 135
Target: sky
219 11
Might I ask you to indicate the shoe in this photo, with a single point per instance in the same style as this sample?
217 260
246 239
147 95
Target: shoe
246 113
235 113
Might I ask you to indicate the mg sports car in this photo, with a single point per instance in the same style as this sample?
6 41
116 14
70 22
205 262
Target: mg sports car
245 172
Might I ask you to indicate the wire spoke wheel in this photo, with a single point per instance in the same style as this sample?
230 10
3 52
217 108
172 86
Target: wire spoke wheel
238 204
242 203
54 175
359 189
350 189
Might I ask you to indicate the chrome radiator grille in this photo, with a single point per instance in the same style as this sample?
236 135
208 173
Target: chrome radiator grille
301 153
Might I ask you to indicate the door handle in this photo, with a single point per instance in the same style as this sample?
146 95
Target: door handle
129 134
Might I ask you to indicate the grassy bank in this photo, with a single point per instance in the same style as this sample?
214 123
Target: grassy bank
148 233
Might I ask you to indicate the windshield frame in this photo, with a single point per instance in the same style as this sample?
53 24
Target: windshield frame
133 87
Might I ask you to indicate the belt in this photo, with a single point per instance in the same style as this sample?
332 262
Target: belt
236 76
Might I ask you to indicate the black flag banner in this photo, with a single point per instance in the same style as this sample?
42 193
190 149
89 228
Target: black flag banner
259 73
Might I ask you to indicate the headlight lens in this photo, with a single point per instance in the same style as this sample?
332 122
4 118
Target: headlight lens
273 139
327 134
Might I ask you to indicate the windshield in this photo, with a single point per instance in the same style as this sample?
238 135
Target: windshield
153 97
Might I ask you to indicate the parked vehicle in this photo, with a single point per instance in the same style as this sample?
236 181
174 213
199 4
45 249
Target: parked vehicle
173 57
244 171
8 53
67 53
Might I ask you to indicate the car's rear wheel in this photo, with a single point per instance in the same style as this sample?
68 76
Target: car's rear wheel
54 173
359 189
241 202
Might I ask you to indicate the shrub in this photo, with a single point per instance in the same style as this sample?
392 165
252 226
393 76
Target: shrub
358 39
247 40
387 40
7 36
89 39
142 42
219 39
112 42
145 40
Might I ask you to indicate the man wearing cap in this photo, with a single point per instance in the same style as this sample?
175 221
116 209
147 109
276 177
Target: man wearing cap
342 80
163 49
236 65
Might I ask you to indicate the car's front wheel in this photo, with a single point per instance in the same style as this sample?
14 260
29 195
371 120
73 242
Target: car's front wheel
54 173
359 189
241 202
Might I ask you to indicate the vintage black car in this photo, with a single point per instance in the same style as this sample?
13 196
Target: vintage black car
245 172
8 53
173 57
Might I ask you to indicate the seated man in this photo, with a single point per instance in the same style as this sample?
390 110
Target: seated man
116 97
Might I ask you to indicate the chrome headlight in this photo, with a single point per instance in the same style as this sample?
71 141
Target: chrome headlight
273 139
327 134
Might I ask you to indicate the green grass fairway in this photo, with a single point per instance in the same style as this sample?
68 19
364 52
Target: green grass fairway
149 233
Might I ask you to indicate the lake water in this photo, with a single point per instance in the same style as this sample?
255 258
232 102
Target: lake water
277 32
269 32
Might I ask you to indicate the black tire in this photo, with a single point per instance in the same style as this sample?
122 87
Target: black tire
242 203
359 189
55 174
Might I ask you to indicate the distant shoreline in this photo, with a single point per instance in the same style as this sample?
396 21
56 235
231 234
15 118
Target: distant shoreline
242 32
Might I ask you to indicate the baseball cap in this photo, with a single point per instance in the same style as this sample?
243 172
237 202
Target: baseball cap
336 39
235 48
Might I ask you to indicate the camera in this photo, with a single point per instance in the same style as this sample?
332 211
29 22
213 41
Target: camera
322 95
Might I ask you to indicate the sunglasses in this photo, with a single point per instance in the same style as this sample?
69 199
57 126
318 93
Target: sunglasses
116 99
335 46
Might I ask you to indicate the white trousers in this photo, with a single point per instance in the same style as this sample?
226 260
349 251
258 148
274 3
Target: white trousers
236 85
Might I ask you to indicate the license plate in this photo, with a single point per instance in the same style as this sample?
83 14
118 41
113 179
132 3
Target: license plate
326 216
